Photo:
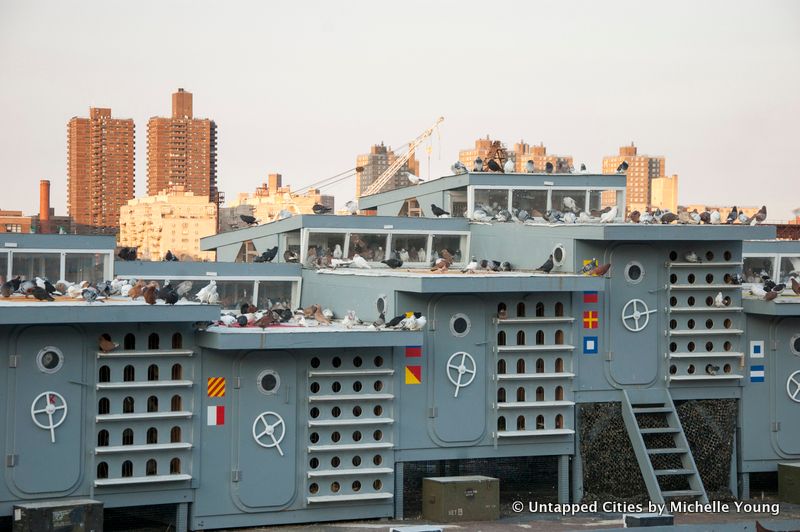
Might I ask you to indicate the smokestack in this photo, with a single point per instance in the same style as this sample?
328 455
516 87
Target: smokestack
44 206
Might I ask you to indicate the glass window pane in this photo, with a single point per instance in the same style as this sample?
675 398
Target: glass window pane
569 200
370 246
275 291
292 244
323 244
410 248
534 202
233 293
596 200
85 267
490 200
454 244
30 265
789 265
754 266
4 265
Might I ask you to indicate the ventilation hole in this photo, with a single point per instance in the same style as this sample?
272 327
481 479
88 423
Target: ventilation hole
357 362
313 437
175 435
104 374
501 338
103 406
378 386
673 255
673 278
690 278
128 374
727 255
175 466
377 435
314 413
127 405
357 436
690 301
673 369
559 337
709 323
559 421
501 395
378 361
127 437
129 343
539 309
336 362
521 366
314 387
335 461
378 410
102 438
540 393
559 393
520 422
520 310
501 367
727 323
502 310
539 365
520 337
152 372
709 278
313 488
356 485
709 301
673 301
335 487
152 341
177 372
356 411
727 278
539 422
501 423
673 347
520 394
539 337
709 346
726 368
690 369
335 437
727 346
313 463
673 324
377 459
152 435
152 404
356 461
176 403
357 386
151 468
559 310
726 301
336 411
690 347
690 324
177 341
315 362
127 468
377 485
102 470
559 365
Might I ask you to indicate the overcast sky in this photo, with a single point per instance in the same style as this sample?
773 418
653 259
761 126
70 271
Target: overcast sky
301 88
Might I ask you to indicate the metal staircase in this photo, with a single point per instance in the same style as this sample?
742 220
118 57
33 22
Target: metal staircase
651 412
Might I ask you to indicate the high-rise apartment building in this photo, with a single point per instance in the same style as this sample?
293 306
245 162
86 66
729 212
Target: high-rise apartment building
182 151
642 169
522 153
375 163
664 193
100 167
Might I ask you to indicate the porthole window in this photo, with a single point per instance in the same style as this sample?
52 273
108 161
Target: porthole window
381 304
794 344
460 325
559 255
634 272
269 382
50 359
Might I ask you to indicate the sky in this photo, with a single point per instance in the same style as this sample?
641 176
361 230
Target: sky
301 88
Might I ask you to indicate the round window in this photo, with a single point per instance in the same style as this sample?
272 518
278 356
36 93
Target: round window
268 382
634 272
459 325
794 344
50 359
381 304
558 255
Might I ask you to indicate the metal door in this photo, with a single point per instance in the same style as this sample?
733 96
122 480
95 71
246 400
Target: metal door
265 426
786 385
634 319
45 426
459 369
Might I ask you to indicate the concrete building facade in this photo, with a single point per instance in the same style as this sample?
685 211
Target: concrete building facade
642 169
375 163
100 167
182 150
523 152
174 220
664 193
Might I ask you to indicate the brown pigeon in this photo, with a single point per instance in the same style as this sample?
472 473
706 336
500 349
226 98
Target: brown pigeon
265 320
795 286
600 270
320 317
149 293
634 216
105 344
137 289
769 296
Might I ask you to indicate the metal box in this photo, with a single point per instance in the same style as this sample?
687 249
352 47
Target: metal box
469 498
789 482
78 515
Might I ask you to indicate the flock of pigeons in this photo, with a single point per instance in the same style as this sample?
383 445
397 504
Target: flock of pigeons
509 167
768 289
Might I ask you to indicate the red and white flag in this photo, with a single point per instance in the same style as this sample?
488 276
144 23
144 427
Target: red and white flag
216 415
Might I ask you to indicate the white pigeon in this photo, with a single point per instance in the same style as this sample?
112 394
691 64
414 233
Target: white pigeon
204 295
743 218
695 216
610 216
509 167
340 263
421 255
360 262
757 290
418 324
719 300
213 298
479 215
646 218
352 207
328 313
584 218
227 320
569 204
692 257
74 290
458 168
337 252
407 324
404 256
414 179
40 283
183 288
570 217
301 321
472 267
350 319
529 167
283 214
715 217
125 289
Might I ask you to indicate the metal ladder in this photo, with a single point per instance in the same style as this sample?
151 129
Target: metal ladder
658 402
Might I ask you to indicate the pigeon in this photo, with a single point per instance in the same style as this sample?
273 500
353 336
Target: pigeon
570 217
380 322
416 323
779 288
502 313
105 344
249 220
170 257
743 218
351 207
337 252
183 288
795 285
769 284
714 217
171 297
150 293
320 209
547 266
758 290
340 263
227 320
90 295
503 215
711 369
585 218
548 168
477 166
414 179
505 266
421 255
394 322
732 216
41 294
583 169
290 256
266 320
267 256
350 319
247 308
668 217
404 256
569 204
392 263
705 217
529 167
6 289
554 216
736 279
440 265
509 167
692 257
600 270
635 216
760 216
360 262
719 300
479 215
320 317
458 168
589 266
622 168
523 215
609 216
494 166
26 288
694 217
205 294
769 296
438 212
472 267
127 253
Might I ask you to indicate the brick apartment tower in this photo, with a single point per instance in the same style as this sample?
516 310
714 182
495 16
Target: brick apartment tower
376 162
182 151
642 169
100 167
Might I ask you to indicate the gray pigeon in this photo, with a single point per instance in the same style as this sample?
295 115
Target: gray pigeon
547 266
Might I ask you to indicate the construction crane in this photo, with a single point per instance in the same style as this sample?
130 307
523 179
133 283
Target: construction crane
384 178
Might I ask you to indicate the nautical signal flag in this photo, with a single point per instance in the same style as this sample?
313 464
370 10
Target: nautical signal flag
590 345
413 351
757 373
216 415
413 374
216 386
590 297
590 319
757 349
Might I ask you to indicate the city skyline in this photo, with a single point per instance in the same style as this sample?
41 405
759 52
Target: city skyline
273 93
